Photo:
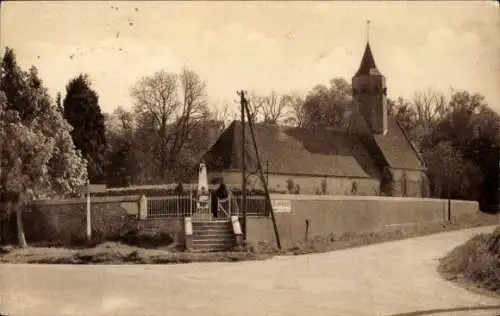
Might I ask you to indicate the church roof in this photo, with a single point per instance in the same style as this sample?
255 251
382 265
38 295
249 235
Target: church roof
296 151
301 151
367 66
397 149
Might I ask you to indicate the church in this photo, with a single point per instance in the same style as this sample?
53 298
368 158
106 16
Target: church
373 156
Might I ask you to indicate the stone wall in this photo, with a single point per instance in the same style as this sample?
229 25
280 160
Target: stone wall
325 215
410 183
63 222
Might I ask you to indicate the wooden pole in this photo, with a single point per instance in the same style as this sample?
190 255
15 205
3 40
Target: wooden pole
89 227
243 165
267 171
263 178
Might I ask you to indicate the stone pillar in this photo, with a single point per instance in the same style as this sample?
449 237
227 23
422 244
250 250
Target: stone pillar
188 233
143 207
237 230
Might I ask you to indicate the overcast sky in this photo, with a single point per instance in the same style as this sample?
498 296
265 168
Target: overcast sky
286 46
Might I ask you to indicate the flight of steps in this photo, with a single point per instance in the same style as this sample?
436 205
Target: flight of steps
213 236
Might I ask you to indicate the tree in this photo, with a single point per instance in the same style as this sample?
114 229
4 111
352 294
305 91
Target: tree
255 104
274 107
450 175
59 102
430 107
120 166
223 115
473 129
328 106
82 111
168 106
404 112
297 112
37 155
13 84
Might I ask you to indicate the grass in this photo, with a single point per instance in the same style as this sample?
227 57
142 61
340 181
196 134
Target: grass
475 264
119 253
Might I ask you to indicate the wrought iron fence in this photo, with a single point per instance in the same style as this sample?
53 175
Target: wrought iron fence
187 205
171 206
255 206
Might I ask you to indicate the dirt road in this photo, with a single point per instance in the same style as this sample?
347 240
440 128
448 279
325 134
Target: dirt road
385 279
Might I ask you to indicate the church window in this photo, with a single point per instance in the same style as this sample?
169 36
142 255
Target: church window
324 186
404 185
354 188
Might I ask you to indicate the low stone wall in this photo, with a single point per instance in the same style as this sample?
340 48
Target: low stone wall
63 222
298 215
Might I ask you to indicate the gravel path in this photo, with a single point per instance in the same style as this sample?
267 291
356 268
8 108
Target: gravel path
385 279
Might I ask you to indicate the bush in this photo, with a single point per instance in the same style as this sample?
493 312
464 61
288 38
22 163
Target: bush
146 239
477 262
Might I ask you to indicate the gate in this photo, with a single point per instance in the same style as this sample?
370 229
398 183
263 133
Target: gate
209 210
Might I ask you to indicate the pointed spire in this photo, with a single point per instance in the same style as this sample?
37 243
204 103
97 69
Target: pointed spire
367 66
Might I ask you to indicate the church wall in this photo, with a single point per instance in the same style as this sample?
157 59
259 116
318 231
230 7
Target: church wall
307 184
411 183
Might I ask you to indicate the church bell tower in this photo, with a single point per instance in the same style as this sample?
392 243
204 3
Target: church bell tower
369 92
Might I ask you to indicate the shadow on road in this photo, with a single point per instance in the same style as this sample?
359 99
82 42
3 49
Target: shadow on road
448 310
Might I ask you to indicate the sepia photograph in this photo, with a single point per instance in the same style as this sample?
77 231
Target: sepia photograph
249 158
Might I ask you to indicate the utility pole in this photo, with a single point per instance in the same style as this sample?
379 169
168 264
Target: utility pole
262 177
89 227
243 164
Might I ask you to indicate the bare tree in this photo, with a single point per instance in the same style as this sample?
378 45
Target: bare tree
224 114
430 106
170 106
296 114
274 106
255 104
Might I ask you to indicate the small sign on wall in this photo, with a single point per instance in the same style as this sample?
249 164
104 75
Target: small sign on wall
281 206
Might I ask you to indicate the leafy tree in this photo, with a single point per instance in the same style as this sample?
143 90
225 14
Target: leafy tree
473 129
404 112
82 111
37 155
450 175
13 84
59 102
328 106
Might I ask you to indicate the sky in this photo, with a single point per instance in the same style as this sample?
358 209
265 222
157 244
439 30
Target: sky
257 46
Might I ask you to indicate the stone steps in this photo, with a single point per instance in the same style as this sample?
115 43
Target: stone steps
213 236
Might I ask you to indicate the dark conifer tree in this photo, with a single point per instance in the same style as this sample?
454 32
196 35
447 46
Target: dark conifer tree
82 111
